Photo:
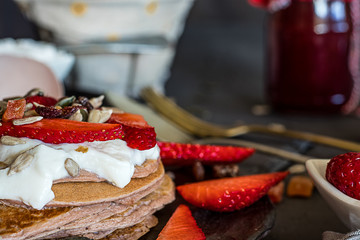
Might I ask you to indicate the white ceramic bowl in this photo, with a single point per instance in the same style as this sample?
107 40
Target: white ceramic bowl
345 207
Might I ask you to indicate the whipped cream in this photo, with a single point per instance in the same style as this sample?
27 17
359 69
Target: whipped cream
112 160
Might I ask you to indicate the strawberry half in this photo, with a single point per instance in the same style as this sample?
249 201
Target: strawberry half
57 131
181 225
187 154
342 171
137 133
229 194
43 100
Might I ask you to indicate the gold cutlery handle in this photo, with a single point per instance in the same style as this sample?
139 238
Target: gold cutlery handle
201 128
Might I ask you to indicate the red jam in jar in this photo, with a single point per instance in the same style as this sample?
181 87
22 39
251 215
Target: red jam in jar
313 56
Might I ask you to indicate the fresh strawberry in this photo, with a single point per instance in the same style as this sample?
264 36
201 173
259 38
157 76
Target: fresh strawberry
137 133
187 154
42 100
229 194
342 171
181 225
57 131
14 109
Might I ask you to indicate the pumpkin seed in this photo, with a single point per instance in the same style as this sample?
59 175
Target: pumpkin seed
85 114
66 101
97 101
27 120
3 105
13 98
72 167
11 141
34 92
20 163
99 116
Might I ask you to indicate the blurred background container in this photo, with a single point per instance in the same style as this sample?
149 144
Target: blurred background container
120 45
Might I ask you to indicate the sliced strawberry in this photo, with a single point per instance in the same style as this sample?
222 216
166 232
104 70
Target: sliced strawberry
137 133
229 194
57 131
43 100
187 154
15 109
181 225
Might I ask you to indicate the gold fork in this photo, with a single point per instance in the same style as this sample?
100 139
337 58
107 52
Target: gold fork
201 128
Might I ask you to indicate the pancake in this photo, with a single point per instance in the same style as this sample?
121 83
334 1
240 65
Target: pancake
97 224
78 194
85 193
144 170
87 221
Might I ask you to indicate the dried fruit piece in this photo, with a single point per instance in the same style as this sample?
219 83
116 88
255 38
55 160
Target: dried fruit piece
342 171
276 192
300 186
58 130
229 194
138 134
225 170
181 225
15 109
187 154
56 112
84 101
198 171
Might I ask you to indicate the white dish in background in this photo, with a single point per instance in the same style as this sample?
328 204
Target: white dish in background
104 36
345 207
20 75
76 22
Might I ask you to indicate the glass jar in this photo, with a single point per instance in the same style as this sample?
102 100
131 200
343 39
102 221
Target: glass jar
313 56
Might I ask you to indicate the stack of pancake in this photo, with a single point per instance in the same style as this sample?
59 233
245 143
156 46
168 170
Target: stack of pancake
88 206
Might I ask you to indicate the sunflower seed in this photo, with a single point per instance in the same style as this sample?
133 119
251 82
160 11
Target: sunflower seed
72 167
77 116
21 162
3 165
99 116
97 101
30 113
38 104
11 141
9 160
27 120
28 106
